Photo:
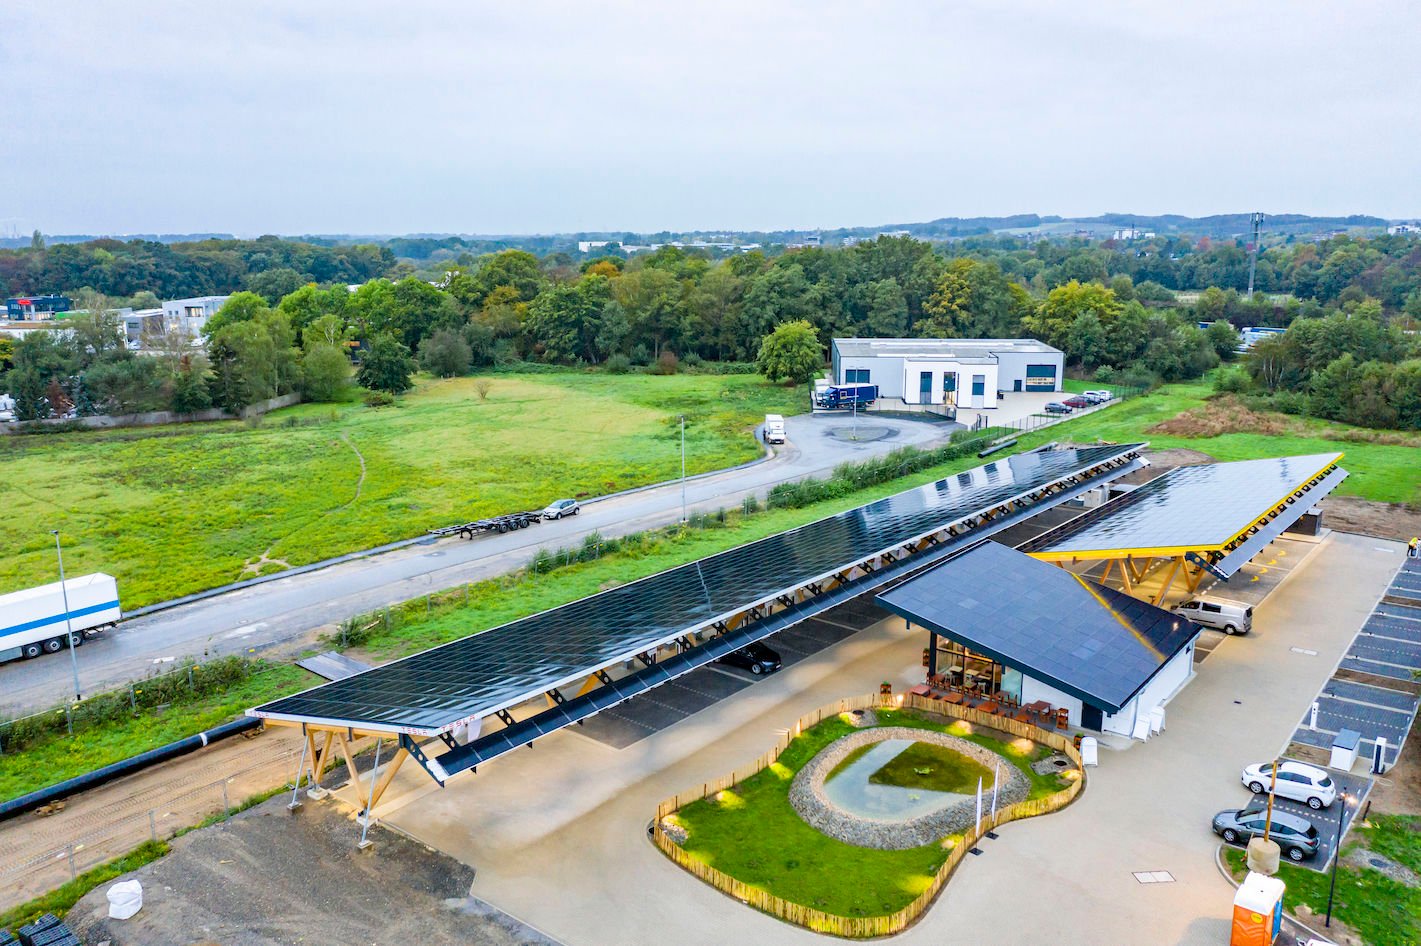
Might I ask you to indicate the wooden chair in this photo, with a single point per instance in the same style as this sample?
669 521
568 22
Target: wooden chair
1063 718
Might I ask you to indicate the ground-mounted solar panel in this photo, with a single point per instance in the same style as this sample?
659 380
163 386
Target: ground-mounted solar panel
1193 508
1096 643
434 690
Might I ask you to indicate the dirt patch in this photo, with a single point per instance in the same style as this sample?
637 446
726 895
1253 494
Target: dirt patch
1399 791
268 878
1364 517
1223 415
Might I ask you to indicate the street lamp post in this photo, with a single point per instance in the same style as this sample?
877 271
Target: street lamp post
68 623
683 468
1344 800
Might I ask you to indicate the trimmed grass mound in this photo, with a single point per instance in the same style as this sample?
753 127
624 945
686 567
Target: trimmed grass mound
752 833
933 768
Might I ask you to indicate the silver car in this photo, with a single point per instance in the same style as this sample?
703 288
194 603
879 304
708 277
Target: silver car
560 508
1295 836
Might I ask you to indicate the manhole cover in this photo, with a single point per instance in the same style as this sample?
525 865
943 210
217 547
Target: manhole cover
1060 762
1378 863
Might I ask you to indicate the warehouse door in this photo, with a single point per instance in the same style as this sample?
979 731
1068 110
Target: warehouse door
925 387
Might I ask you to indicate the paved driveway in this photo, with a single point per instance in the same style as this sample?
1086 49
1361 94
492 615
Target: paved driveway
558 831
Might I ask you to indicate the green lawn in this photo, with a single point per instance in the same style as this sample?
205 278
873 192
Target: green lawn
933 768
753 834
1383 911
182 508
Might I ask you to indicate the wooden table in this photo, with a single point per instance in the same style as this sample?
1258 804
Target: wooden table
1038 707
922 689
952 696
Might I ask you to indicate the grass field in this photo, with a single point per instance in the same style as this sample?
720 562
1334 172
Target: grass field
178 509
752 833
1384 911
1384 472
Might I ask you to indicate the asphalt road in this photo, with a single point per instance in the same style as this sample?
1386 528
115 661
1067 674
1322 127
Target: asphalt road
288 609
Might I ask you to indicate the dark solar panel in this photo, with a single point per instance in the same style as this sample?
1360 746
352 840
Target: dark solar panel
1093 642
479 674
1189 507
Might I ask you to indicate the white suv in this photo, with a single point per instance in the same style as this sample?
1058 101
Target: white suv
1305 783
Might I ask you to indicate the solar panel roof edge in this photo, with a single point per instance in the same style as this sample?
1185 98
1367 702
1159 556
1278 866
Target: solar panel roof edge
1119 451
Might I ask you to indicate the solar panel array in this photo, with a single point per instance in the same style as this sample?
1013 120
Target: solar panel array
474 676
1189 507
1093 642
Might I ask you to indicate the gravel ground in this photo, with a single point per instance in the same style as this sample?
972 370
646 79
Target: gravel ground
267 877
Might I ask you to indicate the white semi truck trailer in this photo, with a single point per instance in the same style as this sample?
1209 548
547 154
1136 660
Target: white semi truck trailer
32 621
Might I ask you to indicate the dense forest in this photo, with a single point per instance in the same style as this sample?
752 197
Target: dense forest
1351 307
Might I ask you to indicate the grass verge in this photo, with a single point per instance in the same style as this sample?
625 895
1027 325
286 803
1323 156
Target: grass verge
1383 911
933 768
752 833
62 899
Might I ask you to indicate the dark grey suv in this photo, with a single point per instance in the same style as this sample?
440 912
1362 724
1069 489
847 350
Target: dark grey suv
1295 836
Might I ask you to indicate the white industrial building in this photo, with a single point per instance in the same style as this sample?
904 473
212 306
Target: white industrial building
188 316
956 372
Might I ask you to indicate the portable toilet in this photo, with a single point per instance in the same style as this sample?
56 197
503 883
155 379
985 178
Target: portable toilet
1258 911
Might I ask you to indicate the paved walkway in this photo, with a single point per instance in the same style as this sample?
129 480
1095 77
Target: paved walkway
558 831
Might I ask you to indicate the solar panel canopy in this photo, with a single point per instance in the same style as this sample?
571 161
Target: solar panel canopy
432 691
1189 508
1093 642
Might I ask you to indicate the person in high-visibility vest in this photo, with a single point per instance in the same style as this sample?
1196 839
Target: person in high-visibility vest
1413 548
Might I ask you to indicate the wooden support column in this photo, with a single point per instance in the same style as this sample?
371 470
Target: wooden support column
319 759
1109 566
350 763
1197 578
1125 577
1168 581
388 777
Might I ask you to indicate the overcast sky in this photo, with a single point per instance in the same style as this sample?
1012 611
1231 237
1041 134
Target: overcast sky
351 117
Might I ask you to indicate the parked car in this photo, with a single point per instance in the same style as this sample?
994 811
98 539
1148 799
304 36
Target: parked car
1078 402
562 507
1056 407
756 657
1296 836
1222 614
1099 396
1296 780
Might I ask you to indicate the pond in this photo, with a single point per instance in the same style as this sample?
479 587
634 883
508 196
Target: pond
853 787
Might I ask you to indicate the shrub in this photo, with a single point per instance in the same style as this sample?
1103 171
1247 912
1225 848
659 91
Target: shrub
617 364
379 399
666 363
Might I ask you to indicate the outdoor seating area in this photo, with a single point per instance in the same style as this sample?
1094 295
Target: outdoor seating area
974 695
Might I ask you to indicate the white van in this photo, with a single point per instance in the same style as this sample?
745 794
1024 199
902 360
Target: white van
1231 617
774 428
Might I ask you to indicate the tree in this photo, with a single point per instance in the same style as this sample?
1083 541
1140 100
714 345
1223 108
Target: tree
310 303
1051 323
445 354
887 313
7 353
274 284
325 372
190 384
244 365
386 366
792 352
1225 339
240 307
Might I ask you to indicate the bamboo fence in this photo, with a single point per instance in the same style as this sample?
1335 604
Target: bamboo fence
867 926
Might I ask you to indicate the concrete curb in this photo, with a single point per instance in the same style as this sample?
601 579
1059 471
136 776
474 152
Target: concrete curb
403 543
1224 871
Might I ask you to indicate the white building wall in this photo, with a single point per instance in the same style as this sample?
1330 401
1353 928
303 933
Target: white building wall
1161 687
911 381
1033 690
1013 369
886 371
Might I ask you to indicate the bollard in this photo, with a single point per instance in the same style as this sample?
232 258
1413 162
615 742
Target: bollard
226 806
73 873
68 719
132 701
152 825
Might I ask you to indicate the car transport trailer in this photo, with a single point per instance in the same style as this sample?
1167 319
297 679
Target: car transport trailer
500 524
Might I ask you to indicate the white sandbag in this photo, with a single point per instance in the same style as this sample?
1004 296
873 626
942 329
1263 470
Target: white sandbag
125 899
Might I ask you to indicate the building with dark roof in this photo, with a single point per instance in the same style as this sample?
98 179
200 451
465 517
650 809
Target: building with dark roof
1002 622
